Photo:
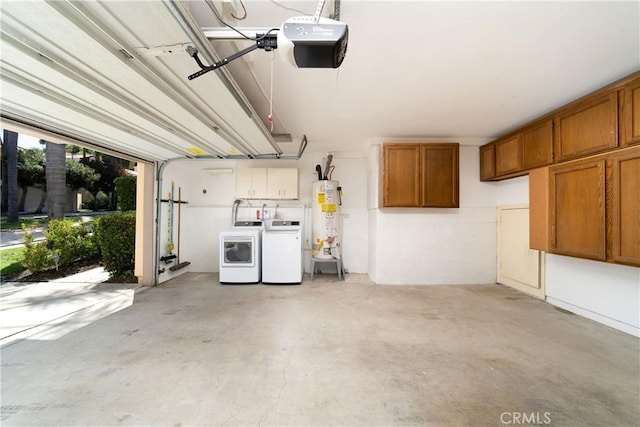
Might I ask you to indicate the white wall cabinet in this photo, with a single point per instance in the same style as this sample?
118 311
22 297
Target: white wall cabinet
282 183
271 183
252 183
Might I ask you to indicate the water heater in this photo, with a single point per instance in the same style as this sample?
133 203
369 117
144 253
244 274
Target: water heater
326 227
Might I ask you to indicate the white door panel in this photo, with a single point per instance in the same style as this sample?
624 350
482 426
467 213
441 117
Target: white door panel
518 266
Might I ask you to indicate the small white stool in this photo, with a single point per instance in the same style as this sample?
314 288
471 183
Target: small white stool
336 261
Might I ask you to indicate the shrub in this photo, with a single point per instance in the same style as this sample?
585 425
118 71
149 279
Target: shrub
116 235
36 255
95 202
70 241
126 192
102 201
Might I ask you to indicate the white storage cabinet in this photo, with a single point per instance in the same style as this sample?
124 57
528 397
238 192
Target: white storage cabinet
263 183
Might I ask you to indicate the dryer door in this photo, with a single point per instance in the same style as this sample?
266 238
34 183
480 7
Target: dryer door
238 251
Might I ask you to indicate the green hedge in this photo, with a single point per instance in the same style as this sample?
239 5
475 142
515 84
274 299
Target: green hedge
116 236
126 192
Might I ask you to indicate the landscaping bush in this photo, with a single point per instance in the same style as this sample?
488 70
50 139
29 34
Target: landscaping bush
126 192
95 202
102 201
70 241
116 236
36 255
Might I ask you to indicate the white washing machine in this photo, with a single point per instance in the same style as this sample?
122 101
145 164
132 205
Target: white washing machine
282 253
240 253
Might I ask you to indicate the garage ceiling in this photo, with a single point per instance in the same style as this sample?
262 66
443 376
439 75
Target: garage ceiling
114 72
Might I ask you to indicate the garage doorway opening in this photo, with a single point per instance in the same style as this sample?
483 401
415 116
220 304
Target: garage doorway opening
94 182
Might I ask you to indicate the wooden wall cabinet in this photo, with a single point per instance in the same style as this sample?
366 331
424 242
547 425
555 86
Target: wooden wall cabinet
487 162
401 175
509 155
624 196
606 120
630 113
539 209
420 175
588 127
439 175
577 216
537 145
515 154
588 208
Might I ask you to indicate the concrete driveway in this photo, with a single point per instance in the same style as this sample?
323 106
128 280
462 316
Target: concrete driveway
52 309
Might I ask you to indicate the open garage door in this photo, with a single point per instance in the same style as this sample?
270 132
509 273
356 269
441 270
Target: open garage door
113 75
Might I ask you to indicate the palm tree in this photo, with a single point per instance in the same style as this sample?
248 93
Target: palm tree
30 172
10 151
56 172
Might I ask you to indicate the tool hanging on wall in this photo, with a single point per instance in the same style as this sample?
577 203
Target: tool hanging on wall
170 256
183 264
170 244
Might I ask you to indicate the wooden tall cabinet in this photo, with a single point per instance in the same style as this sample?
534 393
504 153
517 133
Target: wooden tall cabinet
420 175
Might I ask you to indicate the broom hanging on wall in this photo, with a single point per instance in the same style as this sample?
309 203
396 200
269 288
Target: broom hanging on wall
167 259
183 264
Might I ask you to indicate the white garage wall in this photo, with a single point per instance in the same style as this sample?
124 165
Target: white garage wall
402 246
514 191
436 246
207 214
607 293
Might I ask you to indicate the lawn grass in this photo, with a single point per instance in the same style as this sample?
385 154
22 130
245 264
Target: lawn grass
11 260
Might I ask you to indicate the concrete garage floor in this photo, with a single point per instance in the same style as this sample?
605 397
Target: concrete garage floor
193 352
